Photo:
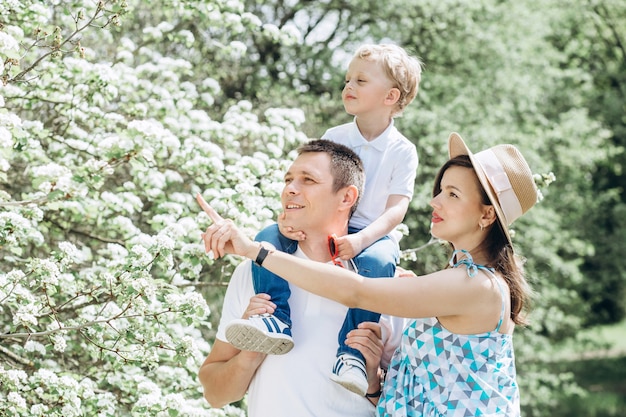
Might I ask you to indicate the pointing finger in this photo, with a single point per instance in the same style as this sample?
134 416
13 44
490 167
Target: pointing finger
208 209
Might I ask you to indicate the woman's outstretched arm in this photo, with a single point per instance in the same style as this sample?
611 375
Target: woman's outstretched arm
443 293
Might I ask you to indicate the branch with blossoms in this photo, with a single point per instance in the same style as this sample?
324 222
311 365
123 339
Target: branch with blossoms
407 252
57 43
82 326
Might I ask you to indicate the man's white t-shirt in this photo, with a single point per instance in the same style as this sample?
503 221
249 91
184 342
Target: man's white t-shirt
390 162
298 383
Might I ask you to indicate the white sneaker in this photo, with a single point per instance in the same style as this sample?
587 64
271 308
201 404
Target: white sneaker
349 371
260 333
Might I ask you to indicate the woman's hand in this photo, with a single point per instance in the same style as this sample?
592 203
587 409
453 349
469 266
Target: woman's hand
223 237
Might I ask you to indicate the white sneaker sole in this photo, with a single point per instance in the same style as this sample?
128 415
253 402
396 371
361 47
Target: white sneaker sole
245 336
350 385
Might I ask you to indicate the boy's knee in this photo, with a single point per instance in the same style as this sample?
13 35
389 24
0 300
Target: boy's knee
376 267
269 234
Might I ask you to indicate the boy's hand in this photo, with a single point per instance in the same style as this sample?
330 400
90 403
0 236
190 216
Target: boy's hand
349 246
288 231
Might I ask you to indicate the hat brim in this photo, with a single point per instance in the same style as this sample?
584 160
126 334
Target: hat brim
456 147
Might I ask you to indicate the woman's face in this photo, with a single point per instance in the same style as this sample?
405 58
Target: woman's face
458 208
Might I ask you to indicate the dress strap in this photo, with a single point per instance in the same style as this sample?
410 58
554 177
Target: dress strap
472 270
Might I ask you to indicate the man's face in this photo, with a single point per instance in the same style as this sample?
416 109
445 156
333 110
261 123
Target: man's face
308 199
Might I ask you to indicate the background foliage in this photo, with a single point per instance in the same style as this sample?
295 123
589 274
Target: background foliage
113 114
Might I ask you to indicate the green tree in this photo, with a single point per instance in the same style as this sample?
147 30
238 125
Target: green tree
113 114
593 38
107 131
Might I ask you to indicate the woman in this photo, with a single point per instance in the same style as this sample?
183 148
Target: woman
456 356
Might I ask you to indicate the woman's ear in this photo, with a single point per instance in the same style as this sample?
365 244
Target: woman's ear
489 216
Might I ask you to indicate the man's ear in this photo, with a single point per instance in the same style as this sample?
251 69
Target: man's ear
350 196
393 95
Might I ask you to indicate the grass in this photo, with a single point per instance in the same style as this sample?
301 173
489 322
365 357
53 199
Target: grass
601 372
605 381
615 334
613 339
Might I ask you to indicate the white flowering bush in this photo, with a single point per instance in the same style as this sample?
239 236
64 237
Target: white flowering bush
109 126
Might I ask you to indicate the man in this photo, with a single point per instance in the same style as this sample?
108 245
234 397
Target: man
322 187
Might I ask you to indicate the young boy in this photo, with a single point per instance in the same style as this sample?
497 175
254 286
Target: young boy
380 82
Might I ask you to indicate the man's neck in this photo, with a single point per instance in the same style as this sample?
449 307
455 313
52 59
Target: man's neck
315 247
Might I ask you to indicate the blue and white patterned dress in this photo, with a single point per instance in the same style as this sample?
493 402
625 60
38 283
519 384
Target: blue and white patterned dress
438 373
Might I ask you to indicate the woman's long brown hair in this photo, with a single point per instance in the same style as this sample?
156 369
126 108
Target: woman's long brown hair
498 249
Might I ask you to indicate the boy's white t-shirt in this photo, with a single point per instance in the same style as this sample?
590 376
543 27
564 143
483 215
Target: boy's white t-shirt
390 162
298 383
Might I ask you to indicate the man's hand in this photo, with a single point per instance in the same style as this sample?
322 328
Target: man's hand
367 339
259 304
223 237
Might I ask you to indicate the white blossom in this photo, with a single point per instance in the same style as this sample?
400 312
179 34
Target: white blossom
187 37
55 174
10 120
163 241
291 32
16 399
148 400
143 256
148 387
33 346
71 251
271 30
237 49
212 85
39 410
117 251
14 376
46 376
59 342
48 270
6 139
8 43
163 338
251 19
125 224
25 315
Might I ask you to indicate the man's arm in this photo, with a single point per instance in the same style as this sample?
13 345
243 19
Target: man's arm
226 373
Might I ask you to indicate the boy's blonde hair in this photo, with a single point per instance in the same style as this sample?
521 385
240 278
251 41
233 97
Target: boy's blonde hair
404 70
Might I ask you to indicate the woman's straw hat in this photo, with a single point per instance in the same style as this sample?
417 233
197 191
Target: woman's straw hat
505 177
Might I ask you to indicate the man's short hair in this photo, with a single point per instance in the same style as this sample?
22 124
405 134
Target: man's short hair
346 167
